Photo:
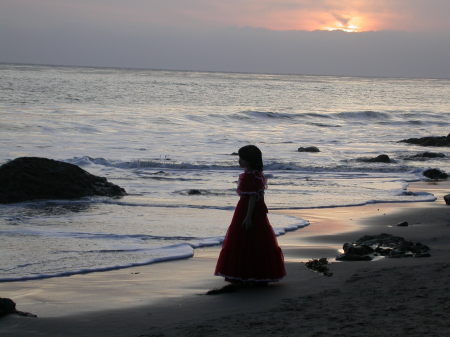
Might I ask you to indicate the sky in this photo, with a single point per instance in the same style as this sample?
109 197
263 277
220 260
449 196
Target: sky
394 38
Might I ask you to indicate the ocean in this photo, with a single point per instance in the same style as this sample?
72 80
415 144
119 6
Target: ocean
161 134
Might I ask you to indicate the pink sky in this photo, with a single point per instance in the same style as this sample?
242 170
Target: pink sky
408 38
365 15
359 15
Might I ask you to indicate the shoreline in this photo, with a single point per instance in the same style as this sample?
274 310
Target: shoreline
303 214
166 297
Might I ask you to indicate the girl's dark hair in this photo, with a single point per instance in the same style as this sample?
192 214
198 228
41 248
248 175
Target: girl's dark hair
252 155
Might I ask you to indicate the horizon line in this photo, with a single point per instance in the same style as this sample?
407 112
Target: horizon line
217 71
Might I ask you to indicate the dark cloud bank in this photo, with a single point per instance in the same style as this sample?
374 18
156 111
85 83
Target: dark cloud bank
385 53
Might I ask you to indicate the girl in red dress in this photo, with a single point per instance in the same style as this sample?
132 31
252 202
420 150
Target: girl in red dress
250 252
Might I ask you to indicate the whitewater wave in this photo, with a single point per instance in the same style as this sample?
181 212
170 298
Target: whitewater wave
143 164
363 115
316 118
424 197
162 254
266 114
170 253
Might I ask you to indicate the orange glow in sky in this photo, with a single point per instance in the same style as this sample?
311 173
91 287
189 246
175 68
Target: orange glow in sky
286 15
320 20
345 23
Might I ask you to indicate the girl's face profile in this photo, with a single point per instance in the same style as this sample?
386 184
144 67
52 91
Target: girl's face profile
243 163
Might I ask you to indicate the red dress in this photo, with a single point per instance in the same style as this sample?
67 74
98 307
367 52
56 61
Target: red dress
254 254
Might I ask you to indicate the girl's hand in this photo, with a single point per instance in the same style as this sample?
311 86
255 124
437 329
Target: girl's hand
247 223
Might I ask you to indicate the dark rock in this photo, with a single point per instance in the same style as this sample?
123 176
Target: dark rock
447 199
160 172
308 149
382 158
319 265
409 193
431 155
422 255
194 192
417 248
355 252
31 178
350 257
8 306
435 174
406 245
234 154
403 224
385 245
355 249
396 253
383 251
426 155
381 239
429 141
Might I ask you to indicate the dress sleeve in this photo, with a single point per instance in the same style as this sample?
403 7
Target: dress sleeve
250 184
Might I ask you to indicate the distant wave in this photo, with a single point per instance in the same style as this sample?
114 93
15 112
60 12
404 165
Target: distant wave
363 115
413 122
264 115
255 115
324 125
396 117
162 165
268 114
346 115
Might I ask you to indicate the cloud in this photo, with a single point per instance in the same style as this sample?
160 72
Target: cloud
405 15
387 53
342 19
236 35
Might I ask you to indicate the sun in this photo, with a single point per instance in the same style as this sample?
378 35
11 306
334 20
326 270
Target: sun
345 23
341 27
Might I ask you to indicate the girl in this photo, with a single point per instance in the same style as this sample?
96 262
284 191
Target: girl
250 252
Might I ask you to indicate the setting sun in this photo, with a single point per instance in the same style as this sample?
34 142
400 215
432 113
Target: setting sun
344 23
339 26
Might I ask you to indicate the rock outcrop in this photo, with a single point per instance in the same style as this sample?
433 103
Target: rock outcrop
447 199
426 156
435 174
429 141
382 158
308 149
32 178
194 192
368 246
320 266
8 306
403 224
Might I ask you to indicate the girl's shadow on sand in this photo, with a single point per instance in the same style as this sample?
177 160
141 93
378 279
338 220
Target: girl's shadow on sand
234 287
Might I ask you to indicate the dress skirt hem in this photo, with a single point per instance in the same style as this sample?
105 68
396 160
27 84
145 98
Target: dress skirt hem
235 278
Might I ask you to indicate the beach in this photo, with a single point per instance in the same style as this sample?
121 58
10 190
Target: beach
144 143
386 297
169 139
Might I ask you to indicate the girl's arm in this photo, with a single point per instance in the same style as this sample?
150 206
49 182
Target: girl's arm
247 223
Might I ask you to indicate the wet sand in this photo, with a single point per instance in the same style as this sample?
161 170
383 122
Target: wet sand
389 297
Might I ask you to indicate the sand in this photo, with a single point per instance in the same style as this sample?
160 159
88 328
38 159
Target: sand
387 297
